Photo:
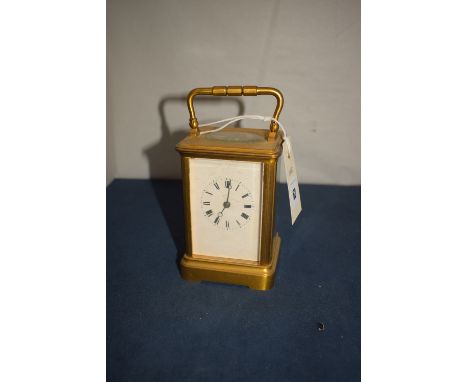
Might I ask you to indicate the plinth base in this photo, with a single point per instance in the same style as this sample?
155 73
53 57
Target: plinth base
260 277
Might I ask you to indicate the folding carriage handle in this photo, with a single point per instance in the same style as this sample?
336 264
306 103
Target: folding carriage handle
236 91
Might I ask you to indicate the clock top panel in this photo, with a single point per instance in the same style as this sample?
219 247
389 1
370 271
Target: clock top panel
235 141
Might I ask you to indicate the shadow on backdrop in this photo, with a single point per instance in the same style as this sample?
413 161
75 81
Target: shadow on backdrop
163 156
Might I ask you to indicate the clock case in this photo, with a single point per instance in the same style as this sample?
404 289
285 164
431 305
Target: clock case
261 145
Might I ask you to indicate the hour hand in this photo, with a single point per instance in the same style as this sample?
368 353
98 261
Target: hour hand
228 185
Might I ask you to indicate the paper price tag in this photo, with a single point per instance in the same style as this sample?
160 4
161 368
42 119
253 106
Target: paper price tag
291 178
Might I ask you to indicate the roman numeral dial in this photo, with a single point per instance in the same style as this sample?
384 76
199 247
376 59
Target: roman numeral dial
227 203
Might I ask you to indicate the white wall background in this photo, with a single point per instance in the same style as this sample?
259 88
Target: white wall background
159 50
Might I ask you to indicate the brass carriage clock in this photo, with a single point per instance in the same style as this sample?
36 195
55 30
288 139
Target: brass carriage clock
229 184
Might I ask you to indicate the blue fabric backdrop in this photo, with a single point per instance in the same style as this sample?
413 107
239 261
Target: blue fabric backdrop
162 328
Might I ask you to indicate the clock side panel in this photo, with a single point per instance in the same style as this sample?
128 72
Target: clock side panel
185 164
225 207
268 210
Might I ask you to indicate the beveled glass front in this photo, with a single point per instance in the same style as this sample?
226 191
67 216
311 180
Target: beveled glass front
226 208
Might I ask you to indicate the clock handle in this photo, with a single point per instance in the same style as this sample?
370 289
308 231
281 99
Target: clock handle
236 91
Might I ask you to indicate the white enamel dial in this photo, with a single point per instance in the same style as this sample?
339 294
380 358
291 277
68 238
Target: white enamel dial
225 208
227 203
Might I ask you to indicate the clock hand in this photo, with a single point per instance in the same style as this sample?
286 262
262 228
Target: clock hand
226 204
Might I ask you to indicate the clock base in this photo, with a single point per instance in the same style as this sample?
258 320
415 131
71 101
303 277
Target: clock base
259 277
